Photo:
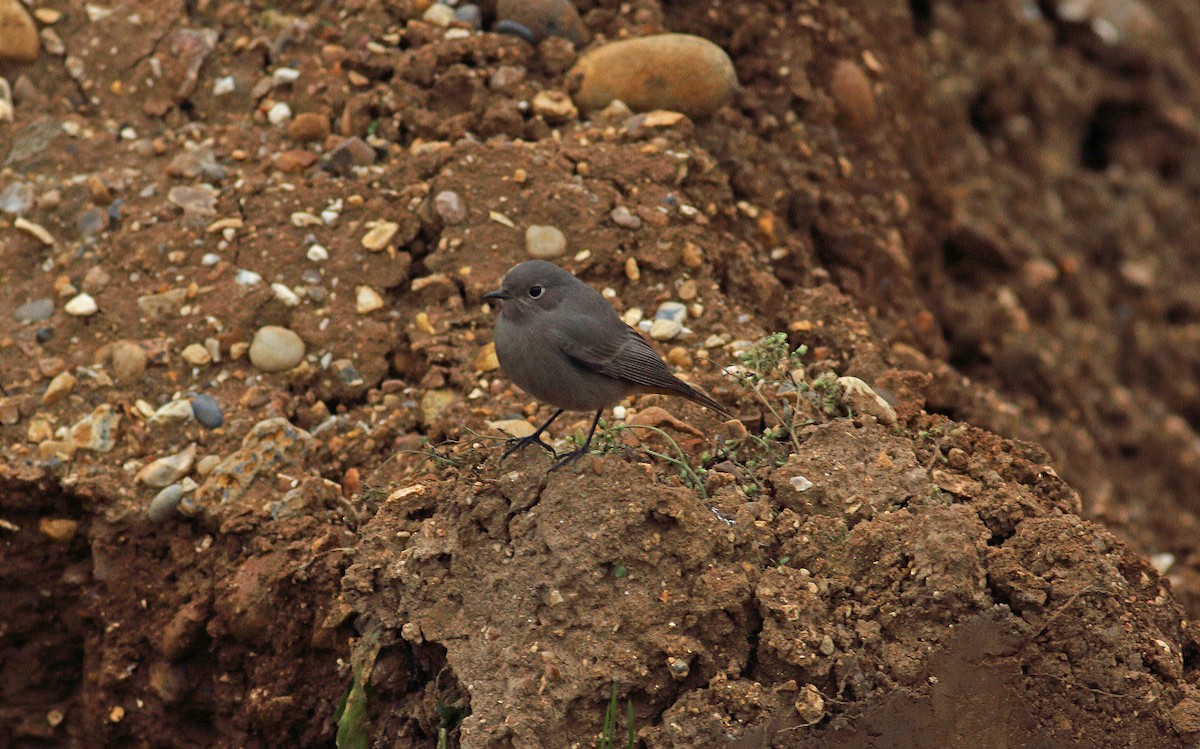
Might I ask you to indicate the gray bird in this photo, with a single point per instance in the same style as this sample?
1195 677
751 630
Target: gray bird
558 340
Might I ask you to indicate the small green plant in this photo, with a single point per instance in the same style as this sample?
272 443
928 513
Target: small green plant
450 714
352 710
608 443
608 733
768 369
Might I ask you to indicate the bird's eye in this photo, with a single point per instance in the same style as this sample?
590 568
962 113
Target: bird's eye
535 292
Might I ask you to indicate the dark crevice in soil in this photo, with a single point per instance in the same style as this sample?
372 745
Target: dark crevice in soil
754 628
922 13
43 628
1104 128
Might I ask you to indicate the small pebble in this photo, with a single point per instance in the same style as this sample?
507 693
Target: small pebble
128 362
851 89
367 300
632 272
168 470
438 14
672 311
285 295
693 256
633 316
35 310
283 76
207 411
196 355
676 72
309 127
317 254
470 15
450 207
82 305
514 427
545 242
16 198
688 290
37 231
623 217
43 334
58 529
163 506
276 349
197 201
665 330
680 357
800 483
554 106
485 360
378 236
535 20
19 41
247 278
177 410
278 113
58 388
224 85
205 465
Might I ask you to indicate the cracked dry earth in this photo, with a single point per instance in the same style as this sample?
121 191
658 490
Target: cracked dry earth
985 211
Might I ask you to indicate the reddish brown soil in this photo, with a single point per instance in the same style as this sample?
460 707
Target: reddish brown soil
1005 251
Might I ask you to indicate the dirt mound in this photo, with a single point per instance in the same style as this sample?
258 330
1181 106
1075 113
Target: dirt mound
979 215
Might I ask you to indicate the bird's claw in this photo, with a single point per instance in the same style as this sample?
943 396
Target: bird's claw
569 458
520 443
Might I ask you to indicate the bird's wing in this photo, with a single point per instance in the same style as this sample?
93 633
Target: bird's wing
625 355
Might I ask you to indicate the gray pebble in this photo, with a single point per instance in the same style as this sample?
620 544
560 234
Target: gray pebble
164 504
207 411
469 14
676 311
34 311
545 242
17 198
450 207
623 217
91 221
276 349
512 28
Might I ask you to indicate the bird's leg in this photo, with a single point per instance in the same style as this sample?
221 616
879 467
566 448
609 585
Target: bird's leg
587 443
521 443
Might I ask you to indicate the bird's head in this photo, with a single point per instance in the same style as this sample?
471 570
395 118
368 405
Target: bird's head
531 288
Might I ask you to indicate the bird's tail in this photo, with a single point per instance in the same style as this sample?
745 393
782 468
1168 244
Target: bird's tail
694 395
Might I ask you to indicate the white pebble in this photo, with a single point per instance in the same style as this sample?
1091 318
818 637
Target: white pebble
210 258
367 300
285 295
317 253
247 278
281 112
285 75
225 85
81 306
800 483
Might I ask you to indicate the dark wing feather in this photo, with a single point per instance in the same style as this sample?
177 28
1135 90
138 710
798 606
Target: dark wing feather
627 356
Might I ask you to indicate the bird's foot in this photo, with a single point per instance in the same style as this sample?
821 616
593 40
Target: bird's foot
570 457
520 443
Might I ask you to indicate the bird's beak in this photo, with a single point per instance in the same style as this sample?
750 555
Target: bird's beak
497 294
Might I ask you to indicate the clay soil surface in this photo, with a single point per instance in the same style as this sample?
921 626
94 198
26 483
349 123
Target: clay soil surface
991 221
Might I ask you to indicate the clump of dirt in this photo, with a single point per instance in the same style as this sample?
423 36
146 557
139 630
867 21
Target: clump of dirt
981 212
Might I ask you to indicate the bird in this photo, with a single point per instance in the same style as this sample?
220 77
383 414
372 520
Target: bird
557 339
